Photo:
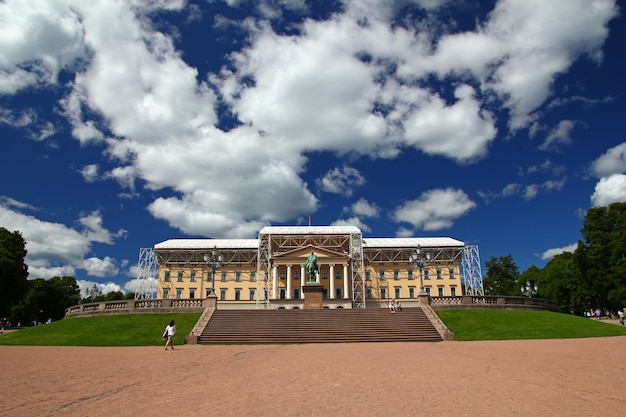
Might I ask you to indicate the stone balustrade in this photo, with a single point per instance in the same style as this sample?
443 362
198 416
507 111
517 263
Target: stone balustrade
179 305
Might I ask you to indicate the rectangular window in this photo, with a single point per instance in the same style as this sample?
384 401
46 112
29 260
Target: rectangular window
252 276
166 293
324 274
266 294
368 293
383 293
337 292
396 275
192 293
451 272
238 276
396 291
427 289
381 274
440 291
427 274
252 294
166 276
209 276
439 274
192 277
453 291
224 276
282 293
296 294
283 275
208 292
237 294
337 274
179 277
368 275
296 274
179 293
266 277
410 274
325 293
222 294
411 292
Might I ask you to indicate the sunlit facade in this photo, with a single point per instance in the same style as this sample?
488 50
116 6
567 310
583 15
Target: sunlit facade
268 272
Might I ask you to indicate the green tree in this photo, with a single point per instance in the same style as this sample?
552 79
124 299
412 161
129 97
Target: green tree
501 276
532 276
47 299
562 282
13 270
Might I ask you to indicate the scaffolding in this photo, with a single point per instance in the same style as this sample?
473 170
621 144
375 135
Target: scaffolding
471 271
358 274
147 274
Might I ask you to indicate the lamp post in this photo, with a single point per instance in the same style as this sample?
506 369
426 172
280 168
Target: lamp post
528 290
214 261
420 259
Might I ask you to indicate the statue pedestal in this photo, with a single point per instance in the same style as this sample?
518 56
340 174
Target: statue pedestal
313 295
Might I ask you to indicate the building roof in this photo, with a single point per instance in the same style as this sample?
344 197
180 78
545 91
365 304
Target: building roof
208 244
309 230
411 242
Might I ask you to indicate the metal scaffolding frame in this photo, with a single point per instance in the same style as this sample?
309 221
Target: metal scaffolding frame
358 270
147 273
471 271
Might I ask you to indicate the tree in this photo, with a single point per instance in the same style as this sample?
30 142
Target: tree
47 299
13 270
501 276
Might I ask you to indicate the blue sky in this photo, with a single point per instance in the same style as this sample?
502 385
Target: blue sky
127 123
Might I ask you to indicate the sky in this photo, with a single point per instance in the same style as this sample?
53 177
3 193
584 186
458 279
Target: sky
127 123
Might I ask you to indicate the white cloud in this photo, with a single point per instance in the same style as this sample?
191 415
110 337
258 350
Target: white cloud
551 253
341 181
611 162
434 209
107 287
352 221
559 136
609 190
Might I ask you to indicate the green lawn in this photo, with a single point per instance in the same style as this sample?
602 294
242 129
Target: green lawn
105 330
522 324
146 329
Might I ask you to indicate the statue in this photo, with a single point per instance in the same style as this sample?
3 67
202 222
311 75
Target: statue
311 267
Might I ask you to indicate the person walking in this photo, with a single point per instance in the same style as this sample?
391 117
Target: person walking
170 331
621 316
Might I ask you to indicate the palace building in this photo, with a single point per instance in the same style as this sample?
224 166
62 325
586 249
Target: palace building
268 272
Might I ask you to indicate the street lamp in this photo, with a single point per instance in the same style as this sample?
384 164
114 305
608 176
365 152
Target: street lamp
420 259
528 290
214 261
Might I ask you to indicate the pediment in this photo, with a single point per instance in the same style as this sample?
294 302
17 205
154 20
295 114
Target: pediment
304 252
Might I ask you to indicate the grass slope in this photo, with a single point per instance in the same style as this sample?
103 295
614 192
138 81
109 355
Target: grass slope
106 330
520 324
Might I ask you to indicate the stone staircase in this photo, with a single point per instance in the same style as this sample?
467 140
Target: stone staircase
318 326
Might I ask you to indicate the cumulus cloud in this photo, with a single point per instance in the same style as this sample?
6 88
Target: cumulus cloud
551 253
611 162
609 190
342 180
434 209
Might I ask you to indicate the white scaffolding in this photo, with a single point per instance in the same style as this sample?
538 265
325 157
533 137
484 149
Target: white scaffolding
358 274
147 274
471 271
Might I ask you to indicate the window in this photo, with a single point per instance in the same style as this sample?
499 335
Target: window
410 274
296 294
266 277
382 274
283 275
337 292
179 278
325 293
296 274
166 293
397 292
440 291
222 294
281 294
337 274
427 274
193 276
166 277
266 294
252 294
383 293
427 290
208 292
179 293
224 276
451 272
209 276
411 292
192 293
237 294
453 291
368 275
253 276
324 274
238 276
396 275
439 274
368 293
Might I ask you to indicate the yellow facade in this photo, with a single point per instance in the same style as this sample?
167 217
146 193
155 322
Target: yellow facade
269 271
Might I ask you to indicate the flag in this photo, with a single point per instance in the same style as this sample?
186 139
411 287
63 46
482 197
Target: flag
309 220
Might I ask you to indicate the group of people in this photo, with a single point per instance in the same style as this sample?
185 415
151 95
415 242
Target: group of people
394 306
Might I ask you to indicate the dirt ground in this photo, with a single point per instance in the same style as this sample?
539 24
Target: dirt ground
574 377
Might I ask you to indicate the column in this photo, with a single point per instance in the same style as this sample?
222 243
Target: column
274 282
332 281
302 281
346 283
288 295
